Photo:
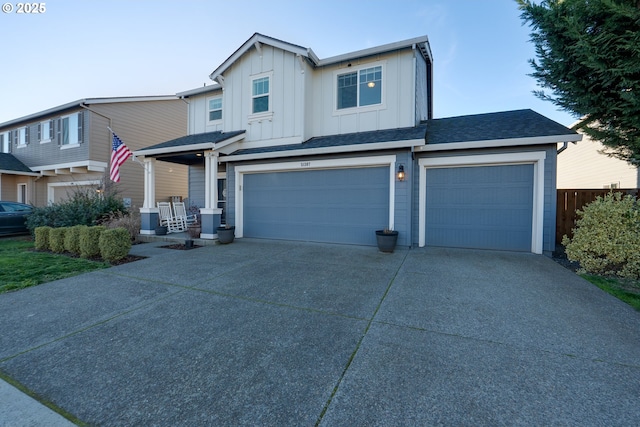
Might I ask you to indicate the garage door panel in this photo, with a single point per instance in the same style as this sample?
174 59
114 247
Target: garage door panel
488 207
332 205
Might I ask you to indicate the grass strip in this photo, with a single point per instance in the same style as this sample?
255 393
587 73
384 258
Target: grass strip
625 290
21 266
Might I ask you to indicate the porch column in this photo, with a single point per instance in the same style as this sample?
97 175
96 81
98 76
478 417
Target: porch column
210 214
149 211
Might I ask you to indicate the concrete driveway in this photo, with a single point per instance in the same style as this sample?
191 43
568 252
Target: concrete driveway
282 333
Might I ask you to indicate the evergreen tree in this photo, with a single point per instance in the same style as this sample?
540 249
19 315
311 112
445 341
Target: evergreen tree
588 57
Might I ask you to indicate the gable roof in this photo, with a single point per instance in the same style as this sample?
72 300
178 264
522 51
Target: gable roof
196 142
421 43
257 39
9 164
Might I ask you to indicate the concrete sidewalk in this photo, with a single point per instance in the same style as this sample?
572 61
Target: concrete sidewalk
284 333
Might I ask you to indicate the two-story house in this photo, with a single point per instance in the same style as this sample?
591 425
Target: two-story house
48 155
286 145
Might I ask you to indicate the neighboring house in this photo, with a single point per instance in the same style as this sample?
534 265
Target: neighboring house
46 156
289 146
583 165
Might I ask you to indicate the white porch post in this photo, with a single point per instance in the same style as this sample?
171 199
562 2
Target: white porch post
210 214
148 211
149 183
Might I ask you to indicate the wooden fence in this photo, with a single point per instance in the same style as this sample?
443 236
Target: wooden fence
569 201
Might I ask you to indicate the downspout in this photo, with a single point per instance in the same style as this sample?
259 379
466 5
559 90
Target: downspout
564 147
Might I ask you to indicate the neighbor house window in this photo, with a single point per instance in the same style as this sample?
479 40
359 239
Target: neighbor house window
45 131
360 88
23 136
70 129
215 109
5 142
260 95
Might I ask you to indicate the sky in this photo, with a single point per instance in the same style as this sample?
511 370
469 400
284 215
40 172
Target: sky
80 49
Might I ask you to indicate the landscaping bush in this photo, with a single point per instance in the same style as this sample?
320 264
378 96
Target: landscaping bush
606 240
90 241
41 242
127 220
56 239
114 244
72 239
84 207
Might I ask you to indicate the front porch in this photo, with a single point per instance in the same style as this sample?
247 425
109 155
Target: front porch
175 238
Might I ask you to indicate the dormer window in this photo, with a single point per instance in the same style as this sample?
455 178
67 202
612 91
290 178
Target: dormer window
359 88
215 109
260 95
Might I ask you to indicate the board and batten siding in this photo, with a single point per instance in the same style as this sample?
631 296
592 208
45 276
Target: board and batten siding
286 94
398 98
199 113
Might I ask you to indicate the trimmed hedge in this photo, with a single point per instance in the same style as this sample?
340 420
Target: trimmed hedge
56 239
114 244
606 240
41 242
72 239
90 241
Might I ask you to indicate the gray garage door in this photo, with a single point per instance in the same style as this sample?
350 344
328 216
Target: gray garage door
336 205
486 207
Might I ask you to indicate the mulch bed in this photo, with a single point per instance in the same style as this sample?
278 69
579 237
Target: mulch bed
180 247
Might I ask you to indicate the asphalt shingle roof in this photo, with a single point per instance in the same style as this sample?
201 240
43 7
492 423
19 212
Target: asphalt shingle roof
199 138
492 126
8 162
370 137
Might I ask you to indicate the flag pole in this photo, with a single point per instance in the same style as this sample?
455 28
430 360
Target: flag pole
133 158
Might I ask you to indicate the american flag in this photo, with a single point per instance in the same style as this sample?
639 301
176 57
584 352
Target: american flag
119 154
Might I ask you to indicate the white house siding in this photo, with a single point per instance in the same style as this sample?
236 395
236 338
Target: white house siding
286 87
422 101
396 111
582 166
199 114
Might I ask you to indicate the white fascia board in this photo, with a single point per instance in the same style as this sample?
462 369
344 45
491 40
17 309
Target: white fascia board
43 113
89 164
10 172
198 91
122 99
373 51
229 141
512 142
175 150
324 150
259 38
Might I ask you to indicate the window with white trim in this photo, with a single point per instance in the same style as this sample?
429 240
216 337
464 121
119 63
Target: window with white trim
23 136
214 107
70 129
45 131
359 88
260 91
5 142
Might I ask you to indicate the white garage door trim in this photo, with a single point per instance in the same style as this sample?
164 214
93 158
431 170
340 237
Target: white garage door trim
535 157
355 162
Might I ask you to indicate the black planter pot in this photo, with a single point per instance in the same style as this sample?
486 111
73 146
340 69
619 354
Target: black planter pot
386 241
161 230
188 244
226 235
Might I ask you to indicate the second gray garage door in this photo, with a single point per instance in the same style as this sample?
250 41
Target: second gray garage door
328 205
485 207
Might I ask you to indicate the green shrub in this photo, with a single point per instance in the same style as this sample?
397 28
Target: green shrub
84 207
56 239
606 240
41 241
72 239
114 244
90 241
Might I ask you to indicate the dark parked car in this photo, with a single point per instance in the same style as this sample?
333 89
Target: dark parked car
13 217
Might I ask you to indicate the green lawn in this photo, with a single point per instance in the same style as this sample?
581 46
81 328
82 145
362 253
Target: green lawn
625 290
21 267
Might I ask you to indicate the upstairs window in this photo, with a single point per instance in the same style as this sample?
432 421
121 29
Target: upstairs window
260 95
360 88
5 142
70 129
45 131
23 136
215 109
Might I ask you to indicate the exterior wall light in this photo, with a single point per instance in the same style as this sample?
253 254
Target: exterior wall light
401 174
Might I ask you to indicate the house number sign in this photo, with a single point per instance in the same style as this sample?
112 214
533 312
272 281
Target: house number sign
305 164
